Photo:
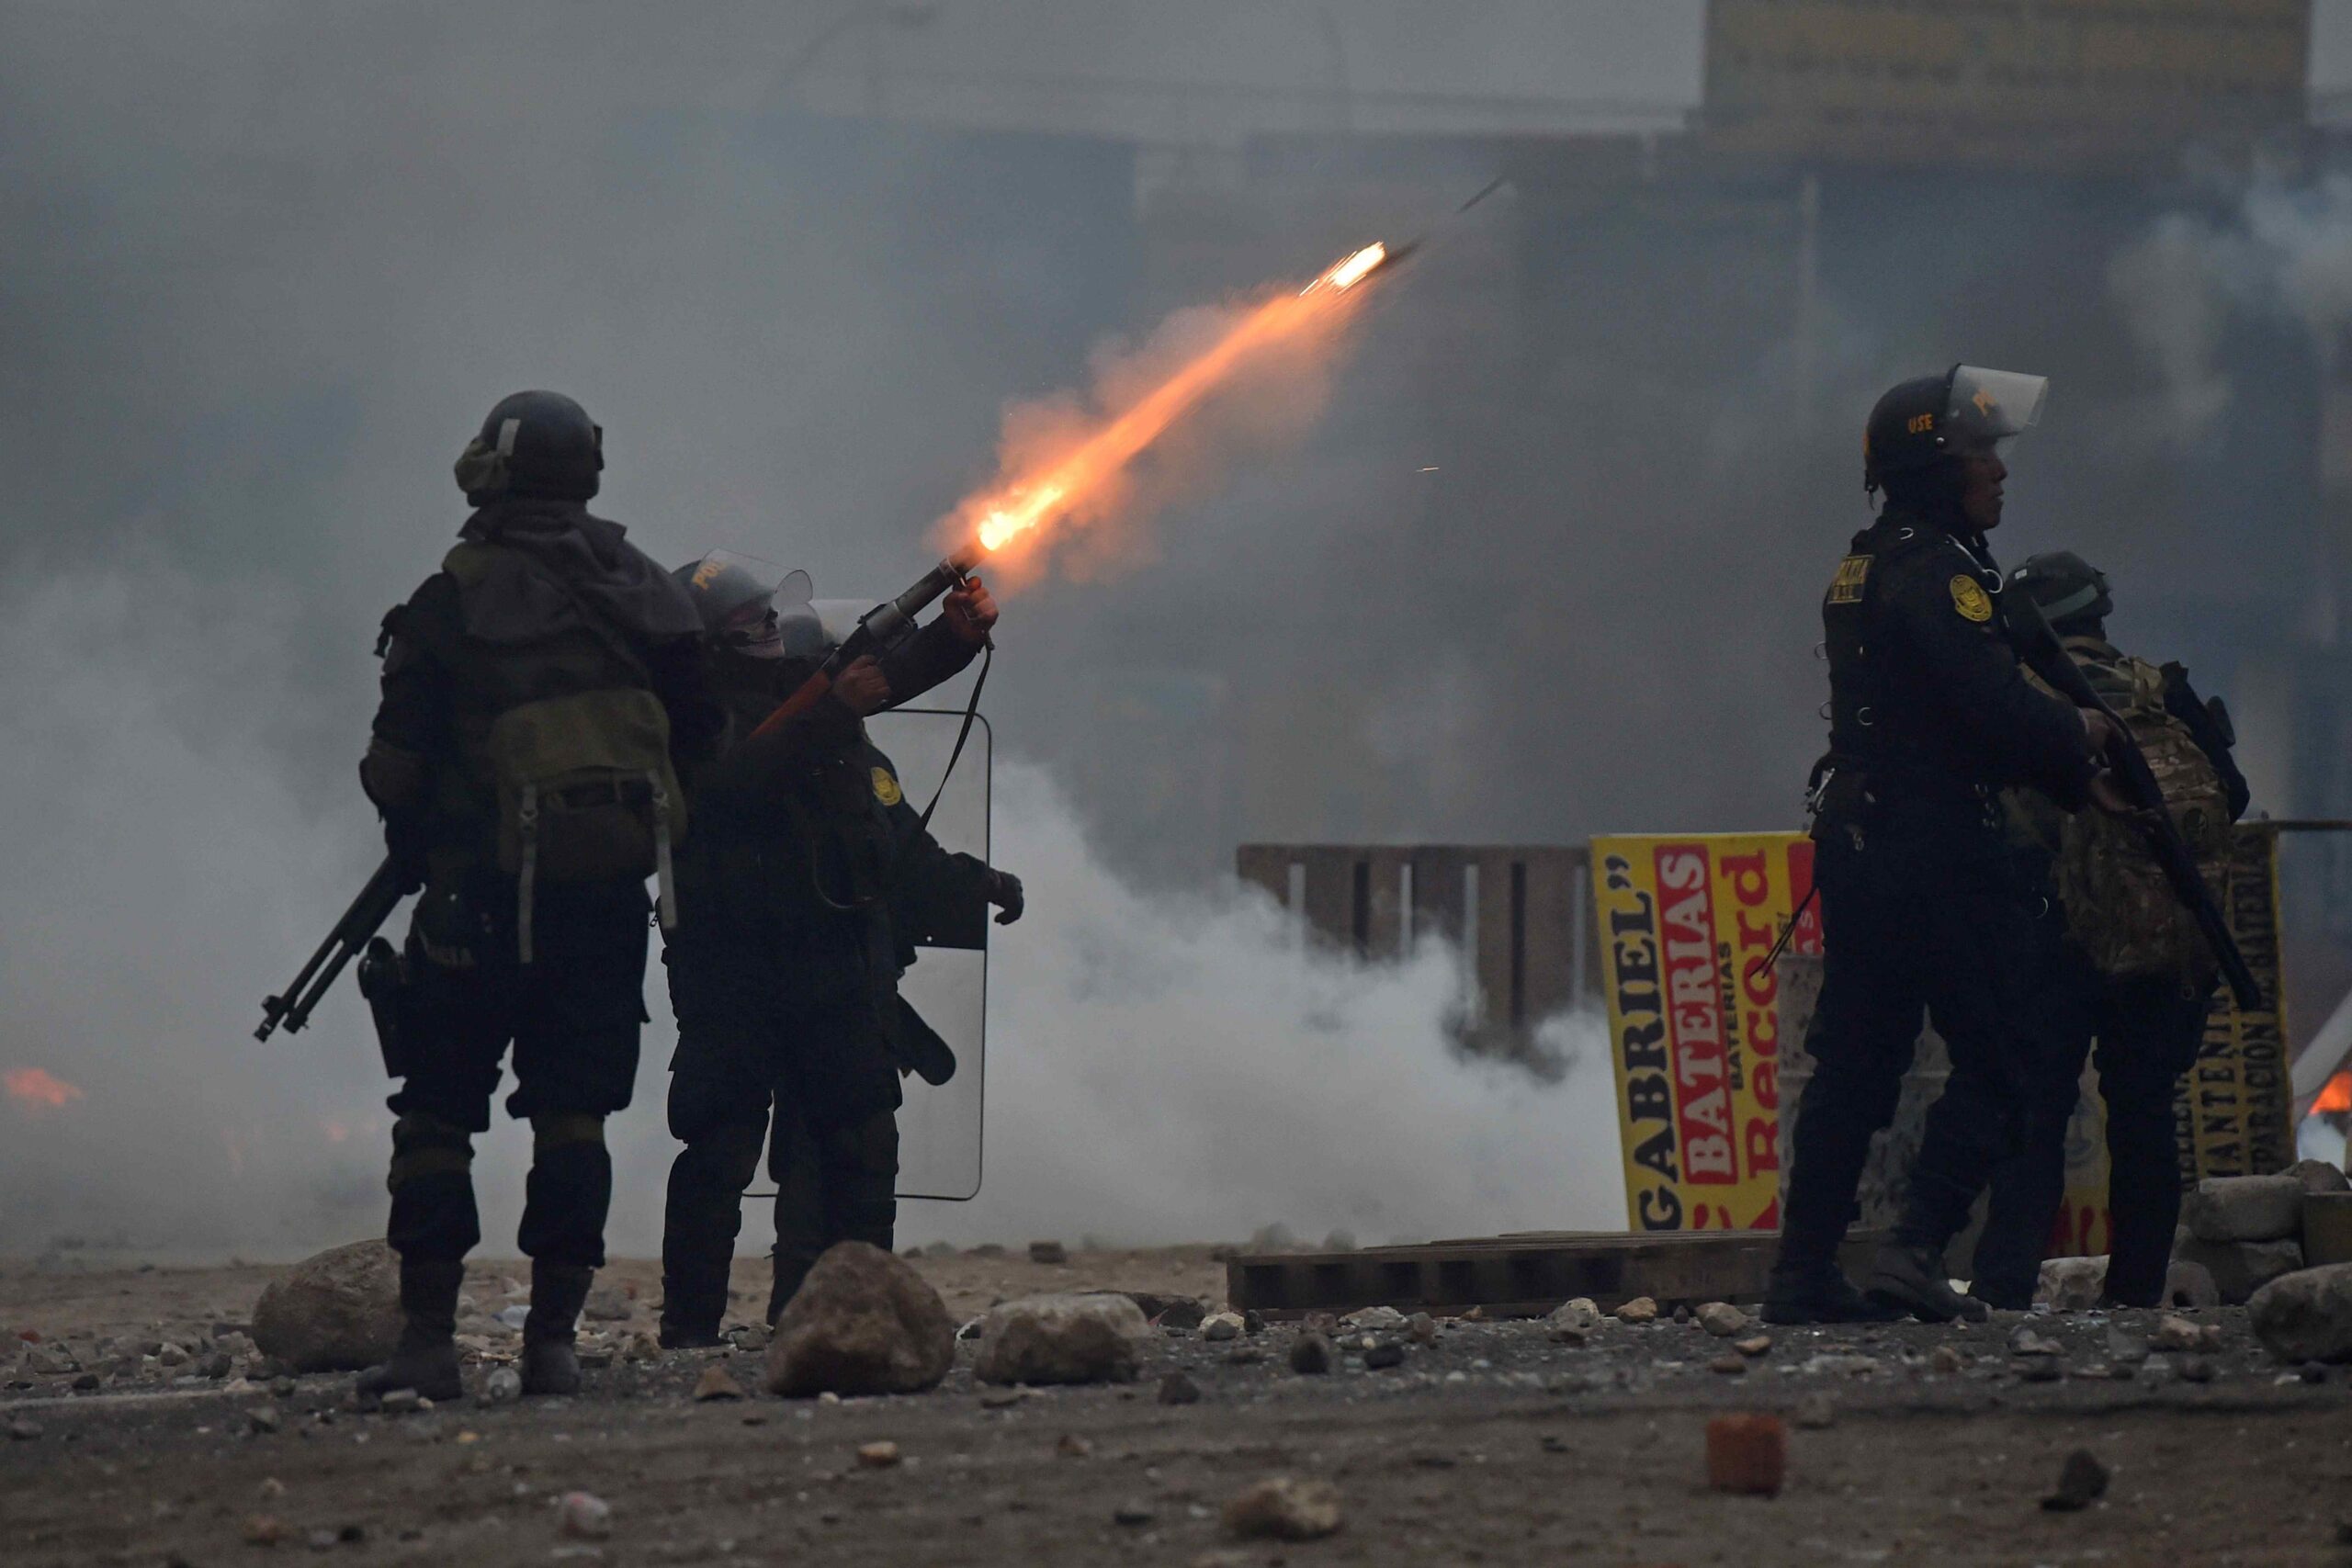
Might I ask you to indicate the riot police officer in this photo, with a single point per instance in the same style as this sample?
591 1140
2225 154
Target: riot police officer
1923 909
809 879
542 692
2131 970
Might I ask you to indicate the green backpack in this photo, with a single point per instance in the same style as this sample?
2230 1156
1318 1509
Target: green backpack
2119 907
584 787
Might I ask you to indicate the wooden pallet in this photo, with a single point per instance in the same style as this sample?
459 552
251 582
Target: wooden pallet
1518 1276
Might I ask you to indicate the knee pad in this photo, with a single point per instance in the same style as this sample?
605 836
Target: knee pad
552 1130
425 1144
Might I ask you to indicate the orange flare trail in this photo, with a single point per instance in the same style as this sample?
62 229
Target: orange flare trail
36 1088
1024 504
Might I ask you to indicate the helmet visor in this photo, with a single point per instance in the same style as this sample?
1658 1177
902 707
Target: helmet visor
735 594
1994 404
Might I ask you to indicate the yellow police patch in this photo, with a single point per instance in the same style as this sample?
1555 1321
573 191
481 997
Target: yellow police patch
886 788
1968 596
1846 588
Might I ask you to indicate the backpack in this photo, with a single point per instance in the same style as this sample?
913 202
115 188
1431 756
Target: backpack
2119 907
576 755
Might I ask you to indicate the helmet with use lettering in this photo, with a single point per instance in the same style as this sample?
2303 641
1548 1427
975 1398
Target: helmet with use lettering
1918 423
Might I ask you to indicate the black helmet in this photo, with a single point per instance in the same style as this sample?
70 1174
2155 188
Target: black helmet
2066 588
1918 422
736 597
533 444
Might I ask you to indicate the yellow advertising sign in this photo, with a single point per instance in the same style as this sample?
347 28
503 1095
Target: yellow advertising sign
1696 1038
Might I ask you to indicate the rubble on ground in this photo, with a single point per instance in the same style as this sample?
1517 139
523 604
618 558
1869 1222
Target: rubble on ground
337 1311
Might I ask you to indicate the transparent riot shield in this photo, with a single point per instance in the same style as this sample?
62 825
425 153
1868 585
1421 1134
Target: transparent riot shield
940 1126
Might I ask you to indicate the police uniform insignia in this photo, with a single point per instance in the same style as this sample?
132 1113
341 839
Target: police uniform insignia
1846 588
1968 596
886 788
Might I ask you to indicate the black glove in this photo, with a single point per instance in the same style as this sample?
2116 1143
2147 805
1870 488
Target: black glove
1004 892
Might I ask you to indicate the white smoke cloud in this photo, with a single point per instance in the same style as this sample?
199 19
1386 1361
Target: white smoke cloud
1161 1069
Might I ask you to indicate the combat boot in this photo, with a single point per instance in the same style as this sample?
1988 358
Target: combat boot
551 1365
693 1299
1821 1293
425 1358
1911 1279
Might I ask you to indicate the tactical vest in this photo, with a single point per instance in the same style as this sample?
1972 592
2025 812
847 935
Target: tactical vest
562 739
1877 730
2119 907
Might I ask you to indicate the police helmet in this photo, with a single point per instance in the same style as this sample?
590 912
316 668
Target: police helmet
1917 424
2068 590
533 444
737 598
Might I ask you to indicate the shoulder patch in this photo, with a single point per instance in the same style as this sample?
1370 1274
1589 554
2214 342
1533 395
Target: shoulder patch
886 788
1968 596
1846 588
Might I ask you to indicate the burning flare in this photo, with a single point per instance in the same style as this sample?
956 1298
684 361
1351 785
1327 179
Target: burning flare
1023 504
38 1090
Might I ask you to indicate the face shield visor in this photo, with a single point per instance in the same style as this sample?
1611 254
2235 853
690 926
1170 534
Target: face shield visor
738 597
1986 406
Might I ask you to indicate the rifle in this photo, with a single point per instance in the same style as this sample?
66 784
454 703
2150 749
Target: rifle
2041 650
367 915
879 630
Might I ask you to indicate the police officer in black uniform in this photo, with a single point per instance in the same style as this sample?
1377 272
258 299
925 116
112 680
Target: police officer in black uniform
2148 1023
809 880
546 632
1923 906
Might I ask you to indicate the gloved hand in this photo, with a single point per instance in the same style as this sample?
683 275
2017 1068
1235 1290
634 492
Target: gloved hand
1004 892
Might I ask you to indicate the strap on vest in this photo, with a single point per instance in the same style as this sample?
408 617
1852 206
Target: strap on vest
525 885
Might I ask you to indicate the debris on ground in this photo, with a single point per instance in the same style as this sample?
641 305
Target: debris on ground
1747 1454
1064 1340
1281 1509
2082 1481
863 1323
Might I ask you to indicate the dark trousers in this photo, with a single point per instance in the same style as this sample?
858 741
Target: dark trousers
2147 1031
834 1163
1925 913
572 1017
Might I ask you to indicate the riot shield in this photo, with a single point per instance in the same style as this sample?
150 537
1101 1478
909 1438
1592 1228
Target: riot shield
940 1127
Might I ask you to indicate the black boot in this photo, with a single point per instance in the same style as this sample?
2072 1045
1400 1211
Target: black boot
1819 1294
1911 1277
791 1269
691 1304
427 1358
558 1292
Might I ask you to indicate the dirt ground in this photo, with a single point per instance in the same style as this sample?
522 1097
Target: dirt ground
1492 1444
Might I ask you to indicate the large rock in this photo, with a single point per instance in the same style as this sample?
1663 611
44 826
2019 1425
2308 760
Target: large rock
2239 1267
2307 1316
337 1312
2244 1208
2071 1284
1042 1340
2188 1284
862 1323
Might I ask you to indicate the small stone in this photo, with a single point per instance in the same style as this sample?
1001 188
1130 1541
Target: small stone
1134 1515
2082 1481
322 1540
1049 1252
262 1419
1422 1327
2313 1371
1178 1389
514 1317
584 1515
1729 1366
23 1429
271 1487
641 1346
1747 1455
170 1355
2071 1284
1253 1322
1815 1413
1582 1314
1945 1361
1221 1326
86 1383
1382 1357
1754 1345
264 1530
1723 1320
1641 1309
2193 1369
716 1382
1373 1318
878 1455
2038 1368
2176 1334
2026 1342
503 1386
1310 1353
1072 1446
215 1365
401 1402
1682 1314
1285 1509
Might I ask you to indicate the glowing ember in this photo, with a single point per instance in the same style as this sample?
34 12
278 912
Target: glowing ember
37 1090
1024 503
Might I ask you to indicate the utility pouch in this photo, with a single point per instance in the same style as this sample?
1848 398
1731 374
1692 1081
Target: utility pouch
384 981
